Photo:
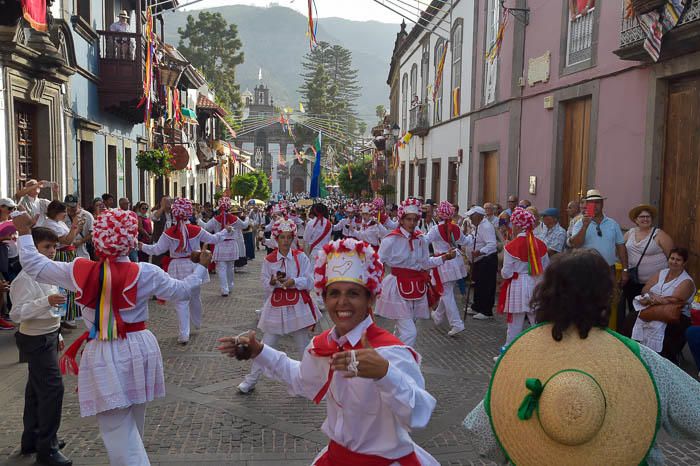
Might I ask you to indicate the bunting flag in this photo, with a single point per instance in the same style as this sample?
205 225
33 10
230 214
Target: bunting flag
314 190
407 137
495 48
34 11
300 159
438 73
148 79
313 25
456 100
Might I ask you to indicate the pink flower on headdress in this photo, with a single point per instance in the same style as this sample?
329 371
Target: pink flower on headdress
378 203
522 219
445 210
114 232
181 209
371 272
410 206
225 203
283 226
367 208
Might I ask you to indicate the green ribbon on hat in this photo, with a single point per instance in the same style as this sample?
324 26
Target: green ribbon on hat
531 399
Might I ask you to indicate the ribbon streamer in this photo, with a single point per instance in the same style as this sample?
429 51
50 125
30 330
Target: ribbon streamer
529 404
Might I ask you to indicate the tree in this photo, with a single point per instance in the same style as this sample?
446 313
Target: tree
362 128
262 189
380 111
244 185
353 186
212 46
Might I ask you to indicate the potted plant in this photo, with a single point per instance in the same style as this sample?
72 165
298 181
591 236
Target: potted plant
155 161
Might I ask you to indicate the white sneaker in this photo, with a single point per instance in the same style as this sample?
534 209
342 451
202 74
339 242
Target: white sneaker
471 311
495 358
246 387
435 317
480 316
454 331
258 312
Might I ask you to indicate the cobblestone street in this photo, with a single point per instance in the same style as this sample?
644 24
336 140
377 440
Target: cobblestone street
204 420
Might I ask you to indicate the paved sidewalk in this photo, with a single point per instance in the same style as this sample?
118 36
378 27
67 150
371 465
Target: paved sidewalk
205 421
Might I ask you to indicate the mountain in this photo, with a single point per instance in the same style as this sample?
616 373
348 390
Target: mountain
274 39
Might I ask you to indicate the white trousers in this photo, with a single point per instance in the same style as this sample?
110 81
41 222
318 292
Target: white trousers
187 310
224 269
301 339
448 306
122 434
407 331
517 324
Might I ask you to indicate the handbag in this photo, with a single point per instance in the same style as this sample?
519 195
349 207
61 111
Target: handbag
634 271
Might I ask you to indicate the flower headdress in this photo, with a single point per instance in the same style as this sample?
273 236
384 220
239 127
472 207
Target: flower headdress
348 260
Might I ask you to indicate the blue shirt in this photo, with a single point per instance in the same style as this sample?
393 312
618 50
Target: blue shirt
611 236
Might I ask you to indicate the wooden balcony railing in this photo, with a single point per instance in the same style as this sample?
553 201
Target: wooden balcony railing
121 73
418 122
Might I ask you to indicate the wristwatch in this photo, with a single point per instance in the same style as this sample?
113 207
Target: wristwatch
625 270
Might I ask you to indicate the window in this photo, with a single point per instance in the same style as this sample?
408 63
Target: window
579 38
456 69
83 9
425 68
435 185
112 170
421 180
402 179
493 17
87 191
411 168
127 174
452 183
404 101
439 49
414 84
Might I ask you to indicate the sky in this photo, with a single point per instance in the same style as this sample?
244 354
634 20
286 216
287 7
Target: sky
357 10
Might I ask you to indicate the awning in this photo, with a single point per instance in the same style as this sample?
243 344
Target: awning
190 115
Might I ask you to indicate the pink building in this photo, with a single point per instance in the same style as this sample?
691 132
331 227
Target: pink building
574 102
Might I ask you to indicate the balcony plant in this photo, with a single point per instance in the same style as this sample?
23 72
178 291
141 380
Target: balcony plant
156 161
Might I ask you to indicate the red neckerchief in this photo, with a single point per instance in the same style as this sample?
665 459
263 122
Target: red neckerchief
415 235
325 347
174 232
528 249
225 219
449 232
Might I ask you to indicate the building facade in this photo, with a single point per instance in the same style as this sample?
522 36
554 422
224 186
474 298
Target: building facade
434 161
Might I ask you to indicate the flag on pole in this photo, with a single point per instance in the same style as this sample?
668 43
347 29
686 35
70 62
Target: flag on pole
34 11
301 108
314 190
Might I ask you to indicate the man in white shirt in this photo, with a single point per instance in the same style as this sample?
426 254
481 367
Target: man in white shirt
30 202
482 250
36 309
120 47
75 212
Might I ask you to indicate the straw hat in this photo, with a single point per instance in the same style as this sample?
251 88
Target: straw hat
590 401
634 213
124 14
594 195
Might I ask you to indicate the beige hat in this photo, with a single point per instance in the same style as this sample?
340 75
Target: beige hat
594 195
574 401
124 14
634 213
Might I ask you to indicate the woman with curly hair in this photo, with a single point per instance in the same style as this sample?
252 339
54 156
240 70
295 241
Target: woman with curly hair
572 391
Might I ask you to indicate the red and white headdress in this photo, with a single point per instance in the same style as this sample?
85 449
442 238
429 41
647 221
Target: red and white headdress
445 210
225 204
348 260
283 226
410 206
115 232
522 219
278 209
350 208
367 208
181 209
378 203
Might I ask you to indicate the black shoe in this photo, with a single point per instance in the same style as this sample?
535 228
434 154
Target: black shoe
31 450
54 459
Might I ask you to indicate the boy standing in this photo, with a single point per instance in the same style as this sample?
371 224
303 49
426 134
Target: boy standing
35 308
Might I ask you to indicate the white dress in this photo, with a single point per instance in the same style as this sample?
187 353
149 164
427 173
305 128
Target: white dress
453 269
521 288
317 234
124 372
395 251
285 319
367 416
372 233
228 249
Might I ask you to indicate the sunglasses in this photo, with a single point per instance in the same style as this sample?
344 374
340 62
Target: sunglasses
598 231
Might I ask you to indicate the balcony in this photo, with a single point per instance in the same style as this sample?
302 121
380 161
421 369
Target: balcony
418 122
121 74
681 40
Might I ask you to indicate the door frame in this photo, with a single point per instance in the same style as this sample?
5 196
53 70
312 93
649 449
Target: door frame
561 98
480 150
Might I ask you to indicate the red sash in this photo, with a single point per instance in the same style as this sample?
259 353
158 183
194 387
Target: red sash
67 362
449 232
290 296
325 347
503 295
338 455
326 231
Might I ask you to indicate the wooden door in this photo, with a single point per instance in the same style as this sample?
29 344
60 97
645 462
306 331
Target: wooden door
112 171
680 207
87 175
25 126
577 126
489 193
127 175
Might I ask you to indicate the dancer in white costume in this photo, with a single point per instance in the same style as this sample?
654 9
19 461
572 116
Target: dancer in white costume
444 237
410 289
121 368
228 251
378 396
180 240
287 278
